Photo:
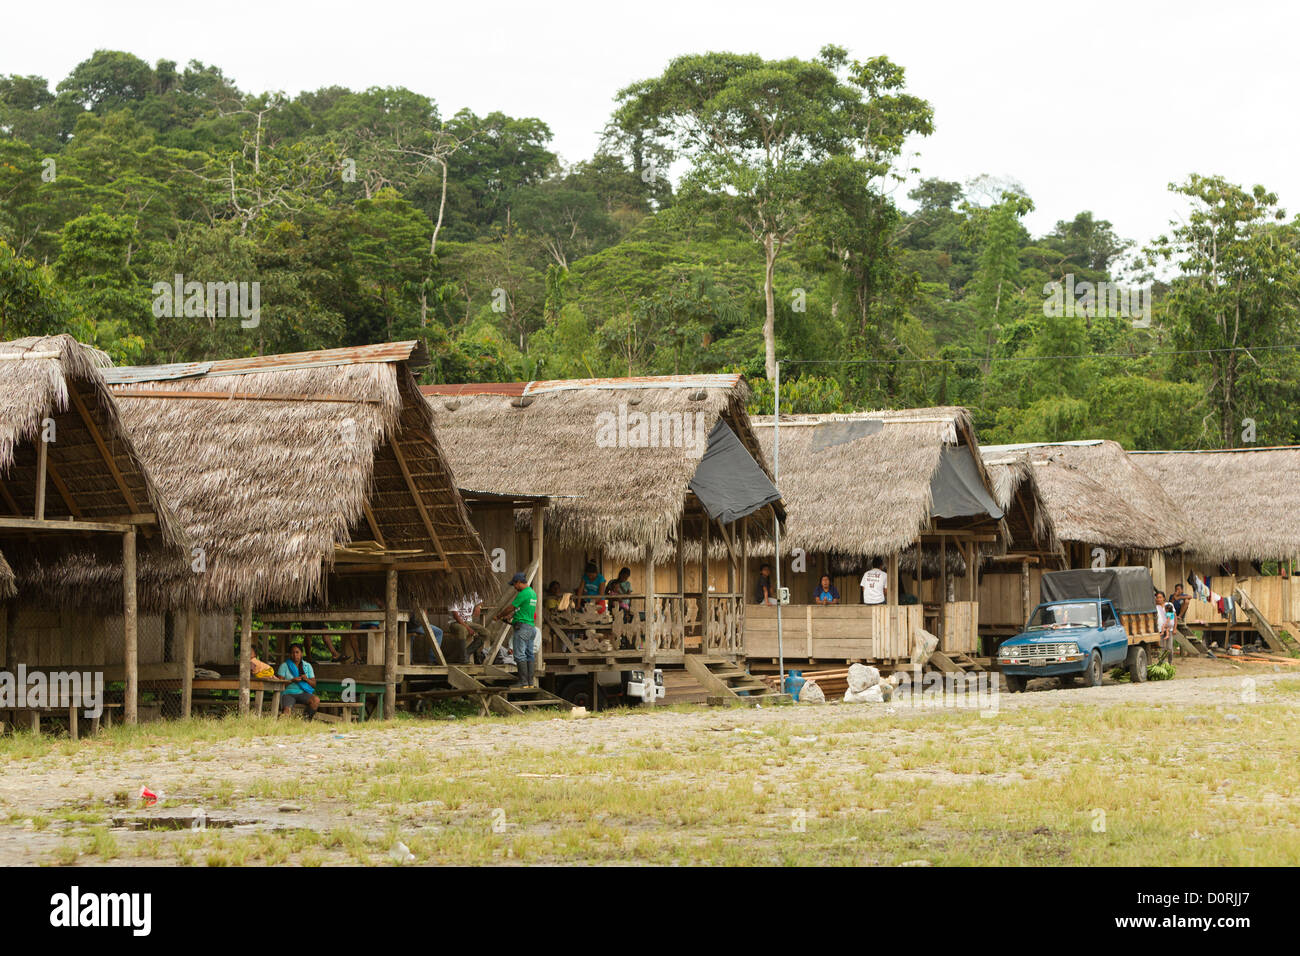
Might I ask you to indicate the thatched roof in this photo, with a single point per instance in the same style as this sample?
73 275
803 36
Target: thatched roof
868 496
552 438
1238 504
7 589
1016 490
1093 493
95 471
301 455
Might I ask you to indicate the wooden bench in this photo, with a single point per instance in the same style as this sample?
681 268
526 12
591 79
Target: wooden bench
60 710
325 710
202 692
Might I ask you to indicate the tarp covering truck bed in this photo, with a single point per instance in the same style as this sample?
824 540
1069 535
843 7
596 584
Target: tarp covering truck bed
1129 589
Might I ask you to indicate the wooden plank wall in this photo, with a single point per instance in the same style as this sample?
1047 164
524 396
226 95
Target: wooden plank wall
844 632
44 637
1277 598
961 627
1001 603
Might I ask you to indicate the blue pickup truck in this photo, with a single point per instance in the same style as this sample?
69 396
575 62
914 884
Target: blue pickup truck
1089 621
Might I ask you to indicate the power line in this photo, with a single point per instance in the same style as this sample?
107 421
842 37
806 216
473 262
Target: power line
1039 358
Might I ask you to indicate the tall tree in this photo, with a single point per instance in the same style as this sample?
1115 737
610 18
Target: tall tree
754 131
1237 293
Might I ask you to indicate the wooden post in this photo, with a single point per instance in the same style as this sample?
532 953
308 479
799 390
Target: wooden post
744 583
891 596
130 647
42 462
744 557
920 577
187 659
679 618
704 580
245 652
538 544
651 634
1025 606
943 587
731 567
390 644
704 559
972 571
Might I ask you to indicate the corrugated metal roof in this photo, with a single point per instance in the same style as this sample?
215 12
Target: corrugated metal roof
730 380
513 389
412 352
1214 451
516 389
128 374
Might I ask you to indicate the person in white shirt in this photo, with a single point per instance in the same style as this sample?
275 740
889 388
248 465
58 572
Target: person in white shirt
875 584
463 623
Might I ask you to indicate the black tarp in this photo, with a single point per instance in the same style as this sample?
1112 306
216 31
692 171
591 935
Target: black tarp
956 490
1129 589
829 434
728 481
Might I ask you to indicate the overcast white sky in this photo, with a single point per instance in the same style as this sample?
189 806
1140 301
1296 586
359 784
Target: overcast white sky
1088 105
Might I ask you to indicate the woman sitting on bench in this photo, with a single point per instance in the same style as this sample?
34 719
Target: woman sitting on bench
302 684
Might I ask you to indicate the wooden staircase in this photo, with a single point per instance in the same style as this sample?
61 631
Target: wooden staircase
954 662
1186 639
497 693
727 683
1253 614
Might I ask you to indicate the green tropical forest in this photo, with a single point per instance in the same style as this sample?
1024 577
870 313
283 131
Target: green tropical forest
738 211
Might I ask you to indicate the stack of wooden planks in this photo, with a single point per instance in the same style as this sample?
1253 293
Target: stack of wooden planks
833 682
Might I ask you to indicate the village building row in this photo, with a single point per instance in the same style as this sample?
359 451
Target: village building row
154 520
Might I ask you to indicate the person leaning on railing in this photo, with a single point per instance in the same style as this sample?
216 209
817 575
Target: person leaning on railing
827 593
763 591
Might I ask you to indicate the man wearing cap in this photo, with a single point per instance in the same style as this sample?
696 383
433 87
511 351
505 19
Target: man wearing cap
522 613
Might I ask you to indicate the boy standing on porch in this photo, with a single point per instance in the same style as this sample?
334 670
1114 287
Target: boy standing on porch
522 612
875 584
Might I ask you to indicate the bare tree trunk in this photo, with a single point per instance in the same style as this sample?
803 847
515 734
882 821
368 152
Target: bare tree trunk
442 205
769 295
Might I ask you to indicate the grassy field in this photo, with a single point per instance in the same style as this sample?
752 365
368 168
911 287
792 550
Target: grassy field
1119 775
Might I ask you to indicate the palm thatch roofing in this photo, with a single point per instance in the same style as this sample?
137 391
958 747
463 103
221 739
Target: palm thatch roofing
869 495
7 589
1016 490
1093 493
54 387
1236 504
53 391
552 438
281 468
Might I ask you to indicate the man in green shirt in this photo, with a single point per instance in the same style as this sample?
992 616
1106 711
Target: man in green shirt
522 613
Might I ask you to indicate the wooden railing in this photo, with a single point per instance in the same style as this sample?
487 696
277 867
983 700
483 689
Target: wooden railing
621 622
724 624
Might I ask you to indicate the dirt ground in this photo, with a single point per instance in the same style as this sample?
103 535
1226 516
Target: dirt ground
689 784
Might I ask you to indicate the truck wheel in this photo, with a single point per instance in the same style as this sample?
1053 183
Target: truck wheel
1093 674
1137 663
1015 683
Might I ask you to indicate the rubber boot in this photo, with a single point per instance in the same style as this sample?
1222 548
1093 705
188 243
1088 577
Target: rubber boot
528 673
